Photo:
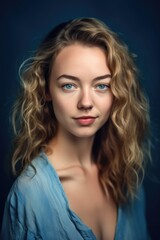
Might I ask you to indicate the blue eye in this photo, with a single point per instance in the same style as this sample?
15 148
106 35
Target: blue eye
68 86
103 86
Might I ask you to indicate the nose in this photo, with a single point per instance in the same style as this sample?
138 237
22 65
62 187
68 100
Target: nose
85 100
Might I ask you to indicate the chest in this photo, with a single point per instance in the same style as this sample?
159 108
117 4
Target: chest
88 200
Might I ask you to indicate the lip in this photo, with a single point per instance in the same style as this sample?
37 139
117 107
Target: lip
85 120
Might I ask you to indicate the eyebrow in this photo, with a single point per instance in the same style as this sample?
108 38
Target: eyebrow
77 79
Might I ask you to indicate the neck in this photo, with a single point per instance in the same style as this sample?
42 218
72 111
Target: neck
68 150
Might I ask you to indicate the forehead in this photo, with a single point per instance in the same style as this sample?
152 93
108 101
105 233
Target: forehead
79 50
77 58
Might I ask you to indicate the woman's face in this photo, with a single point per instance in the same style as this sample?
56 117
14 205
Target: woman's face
79 89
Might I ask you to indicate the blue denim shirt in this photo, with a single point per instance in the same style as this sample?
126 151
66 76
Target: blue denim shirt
37 208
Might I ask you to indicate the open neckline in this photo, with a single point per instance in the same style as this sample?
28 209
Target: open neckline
74 217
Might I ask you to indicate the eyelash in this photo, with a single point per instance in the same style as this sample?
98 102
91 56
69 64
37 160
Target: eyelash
64 86
68 84
104 85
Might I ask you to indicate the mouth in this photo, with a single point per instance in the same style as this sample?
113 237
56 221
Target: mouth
85 120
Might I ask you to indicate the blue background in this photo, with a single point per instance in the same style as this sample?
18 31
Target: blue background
24 23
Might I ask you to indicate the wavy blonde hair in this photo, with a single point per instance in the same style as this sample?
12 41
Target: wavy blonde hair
121 145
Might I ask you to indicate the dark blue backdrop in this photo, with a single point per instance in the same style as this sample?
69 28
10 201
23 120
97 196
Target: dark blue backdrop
24 23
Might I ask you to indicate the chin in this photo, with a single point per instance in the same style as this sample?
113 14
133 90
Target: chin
85 133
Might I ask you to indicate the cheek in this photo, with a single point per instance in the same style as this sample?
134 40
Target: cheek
106 104
60 107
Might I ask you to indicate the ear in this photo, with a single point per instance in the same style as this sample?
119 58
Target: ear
48 97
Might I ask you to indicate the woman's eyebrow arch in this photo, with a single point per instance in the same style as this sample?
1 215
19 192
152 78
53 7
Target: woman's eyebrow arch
77 79
102 77
68 77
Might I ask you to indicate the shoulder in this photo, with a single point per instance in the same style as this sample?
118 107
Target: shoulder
136 207
35 187
34 198
38 180
132 217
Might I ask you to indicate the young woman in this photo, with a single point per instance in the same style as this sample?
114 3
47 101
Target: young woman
81 124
